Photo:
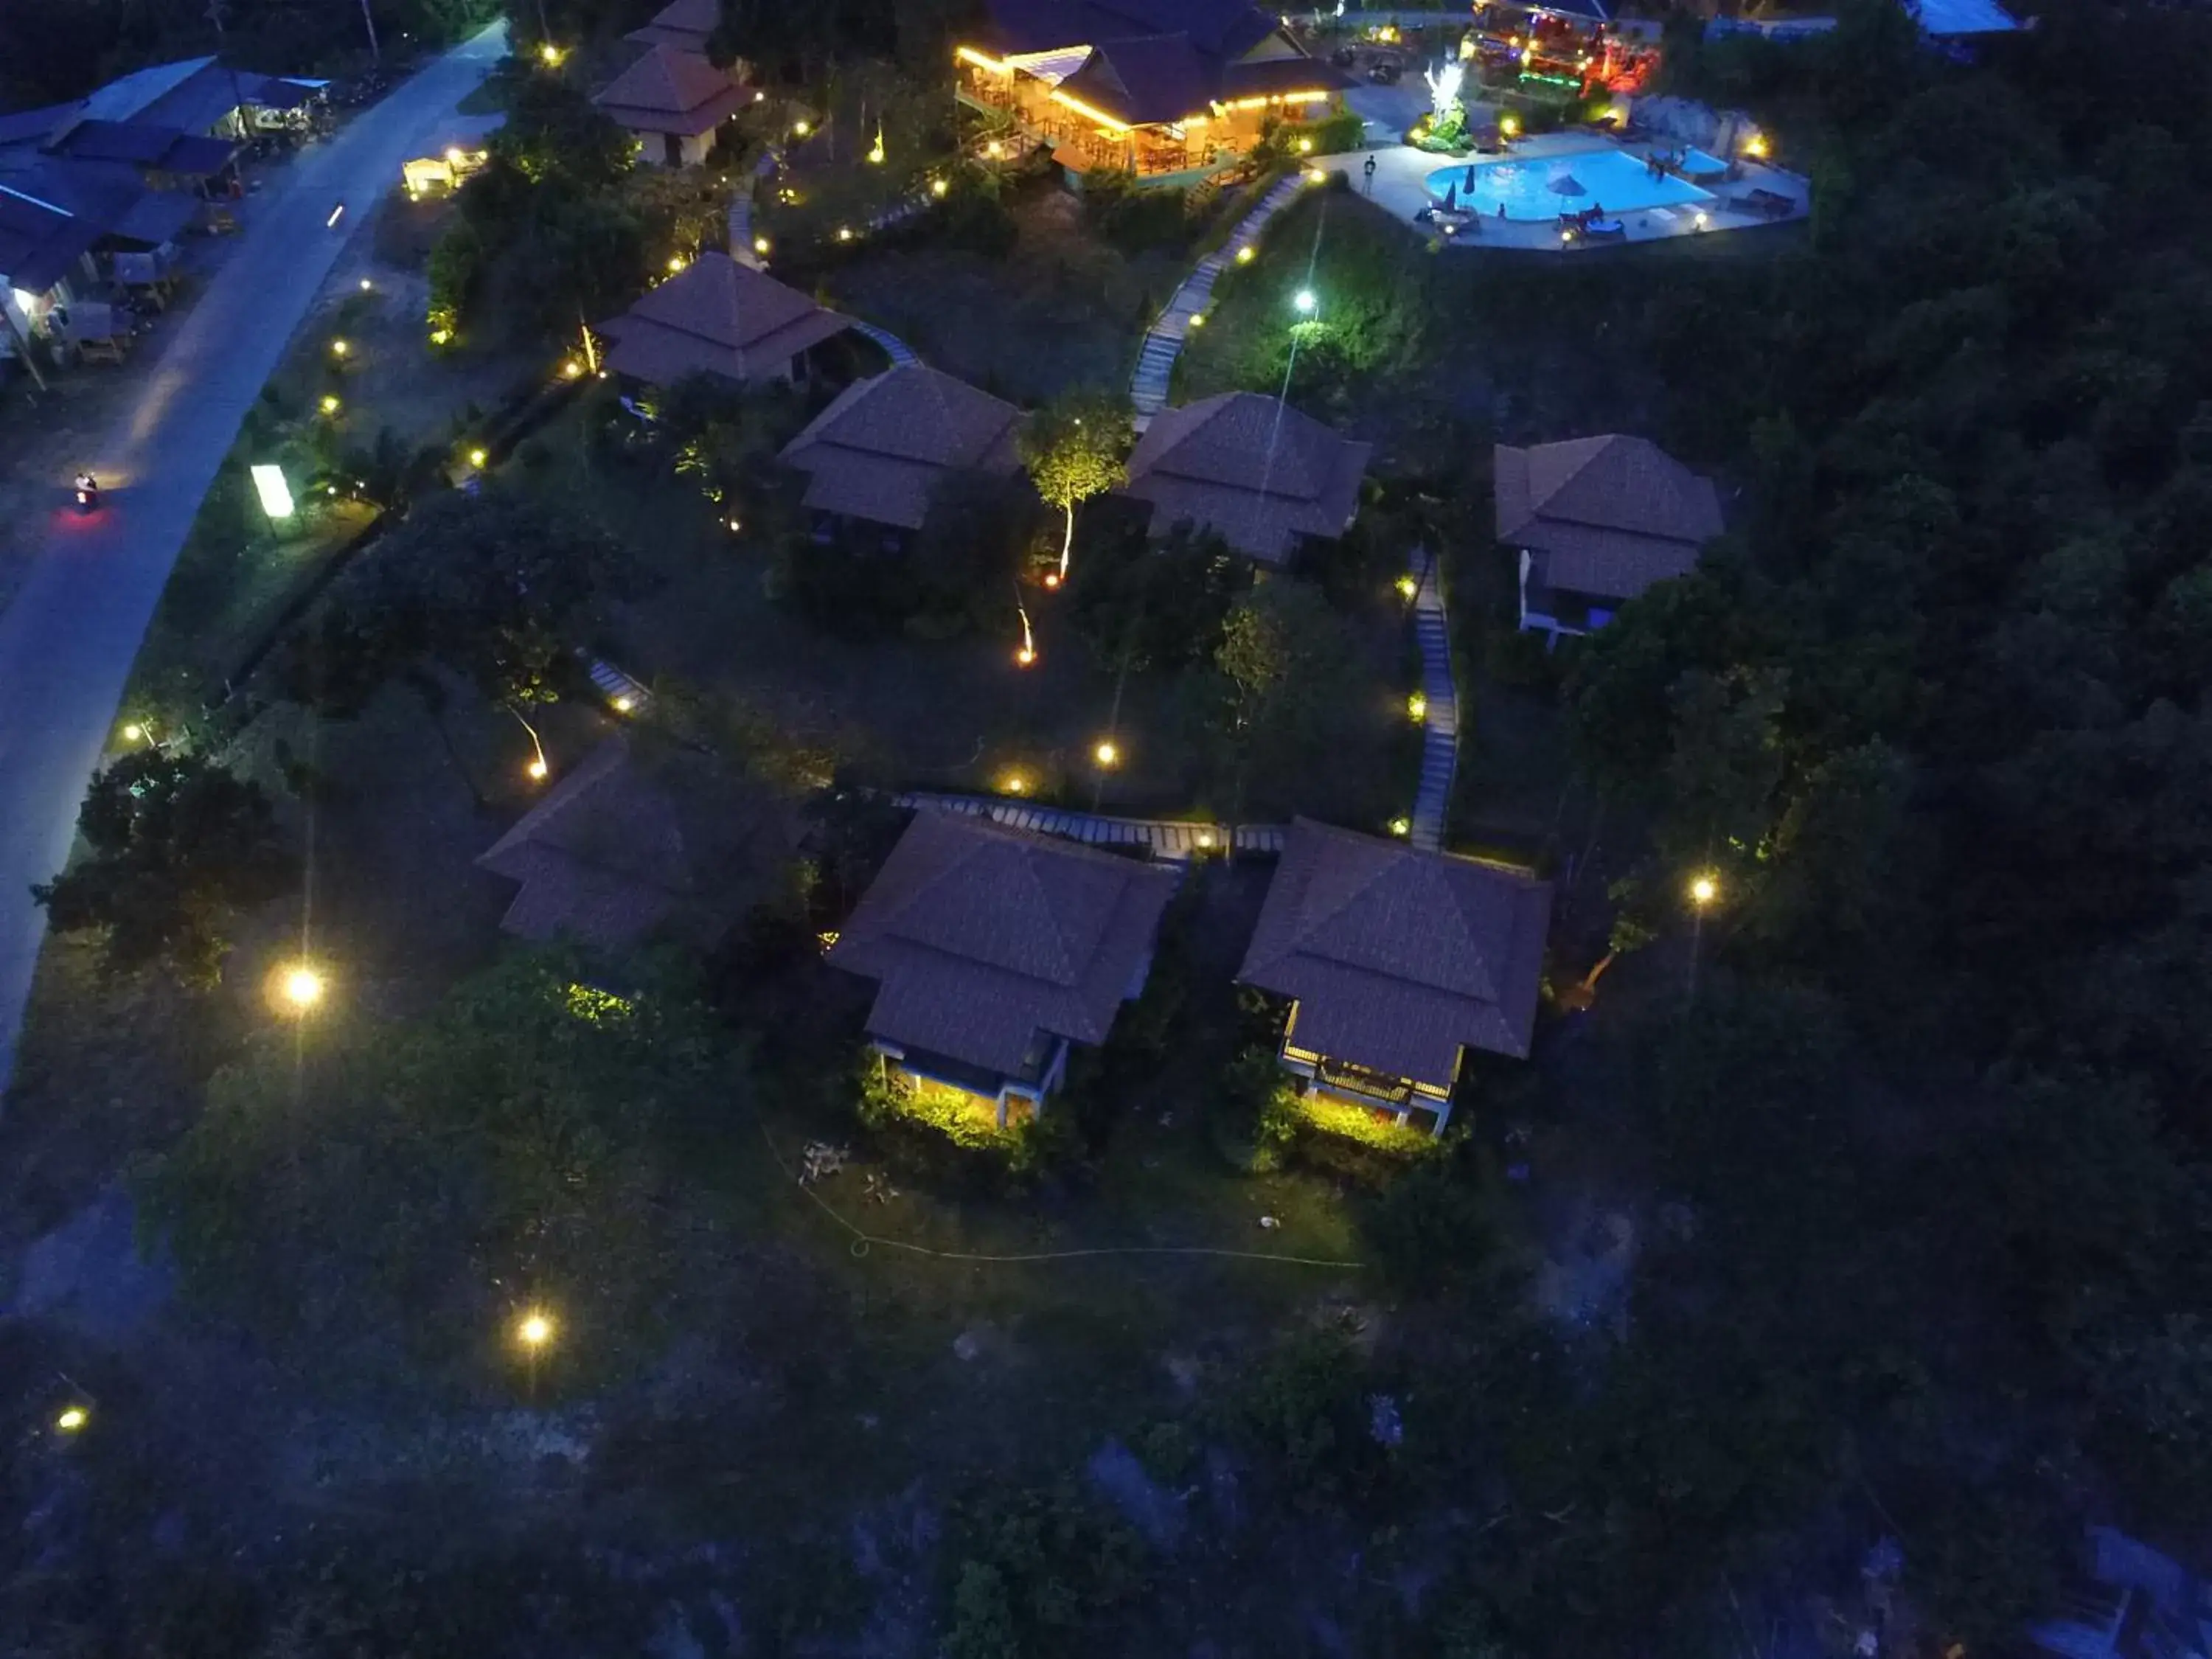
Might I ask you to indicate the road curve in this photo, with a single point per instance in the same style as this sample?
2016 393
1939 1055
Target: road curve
68 639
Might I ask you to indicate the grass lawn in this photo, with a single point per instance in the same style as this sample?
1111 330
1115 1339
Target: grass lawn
951 714
1062 311
1429 354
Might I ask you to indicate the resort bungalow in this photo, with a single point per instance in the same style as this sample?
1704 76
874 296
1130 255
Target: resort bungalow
621 847
684 24
879 452
1596 521
993 950
1164 89
1251 468
718 317
671 102
1396 962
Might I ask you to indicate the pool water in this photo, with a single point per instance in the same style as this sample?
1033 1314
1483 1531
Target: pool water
1610 178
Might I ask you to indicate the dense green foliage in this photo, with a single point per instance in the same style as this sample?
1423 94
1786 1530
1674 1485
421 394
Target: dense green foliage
63 48
494 587
415 1182
175 845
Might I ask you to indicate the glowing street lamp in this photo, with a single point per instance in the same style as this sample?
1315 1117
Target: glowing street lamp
1015 784
1407 587
339 348
1703 890
1401 826
571 369
534 1330
760 244
330 403
1305 303
1305 146
876 150
134 732
800 129
550 55
366 286
938 187
1245 255
675 263
1417 707
298 987
72 1418
1107 754
1197 319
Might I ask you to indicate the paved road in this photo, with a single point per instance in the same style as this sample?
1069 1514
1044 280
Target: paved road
68 638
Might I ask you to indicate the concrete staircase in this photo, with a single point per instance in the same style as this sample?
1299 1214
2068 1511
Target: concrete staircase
1164 341
1440 737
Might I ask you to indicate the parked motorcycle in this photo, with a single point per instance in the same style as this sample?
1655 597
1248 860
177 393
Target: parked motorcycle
87 493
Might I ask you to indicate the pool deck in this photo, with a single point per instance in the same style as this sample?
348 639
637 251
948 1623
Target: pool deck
1402 188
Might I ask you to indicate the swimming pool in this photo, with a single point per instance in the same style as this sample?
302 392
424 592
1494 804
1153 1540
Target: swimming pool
1610 178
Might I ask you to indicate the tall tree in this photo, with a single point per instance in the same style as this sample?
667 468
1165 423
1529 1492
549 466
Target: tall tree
176 845
1076 449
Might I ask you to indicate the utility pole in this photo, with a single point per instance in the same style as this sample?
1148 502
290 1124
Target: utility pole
216 12
375 52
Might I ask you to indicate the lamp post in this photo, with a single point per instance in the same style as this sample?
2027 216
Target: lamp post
1705 892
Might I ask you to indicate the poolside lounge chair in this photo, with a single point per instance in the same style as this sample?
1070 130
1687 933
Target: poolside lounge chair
1604 230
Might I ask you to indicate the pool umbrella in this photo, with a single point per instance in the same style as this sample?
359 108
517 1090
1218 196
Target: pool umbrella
1451 195
1467 184
1566 184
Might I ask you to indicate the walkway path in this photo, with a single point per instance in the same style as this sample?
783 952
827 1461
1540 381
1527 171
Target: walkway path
68 638
1167 838
741 208
1440 737
902 355
1156 359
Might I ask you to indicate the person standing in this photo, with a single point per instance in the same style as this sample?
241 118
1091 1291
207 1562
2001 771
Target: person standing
1369 171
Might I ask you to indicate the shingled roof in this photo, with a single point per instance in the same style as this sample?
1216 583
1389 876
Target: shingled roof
1251 467
881 449
623 844
668 90
683 24
1399 959
716 317
1606 516
982 937
1153 61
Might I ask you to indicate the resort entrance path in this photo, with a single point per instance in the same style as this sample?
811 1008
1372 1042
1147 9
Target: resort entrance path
68 638
1156 359
1167 838
1440 734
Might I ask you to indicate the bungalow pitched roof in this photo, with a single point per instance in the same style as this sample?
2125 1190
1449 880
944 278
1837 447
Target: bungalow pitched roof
619 846
668 90
1399 958
1608 516
684 24
1251 467
716 317
879 451
982 937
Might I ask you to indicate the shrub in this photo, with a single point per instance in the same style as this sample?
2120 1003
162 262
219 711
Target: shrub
1430 1226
